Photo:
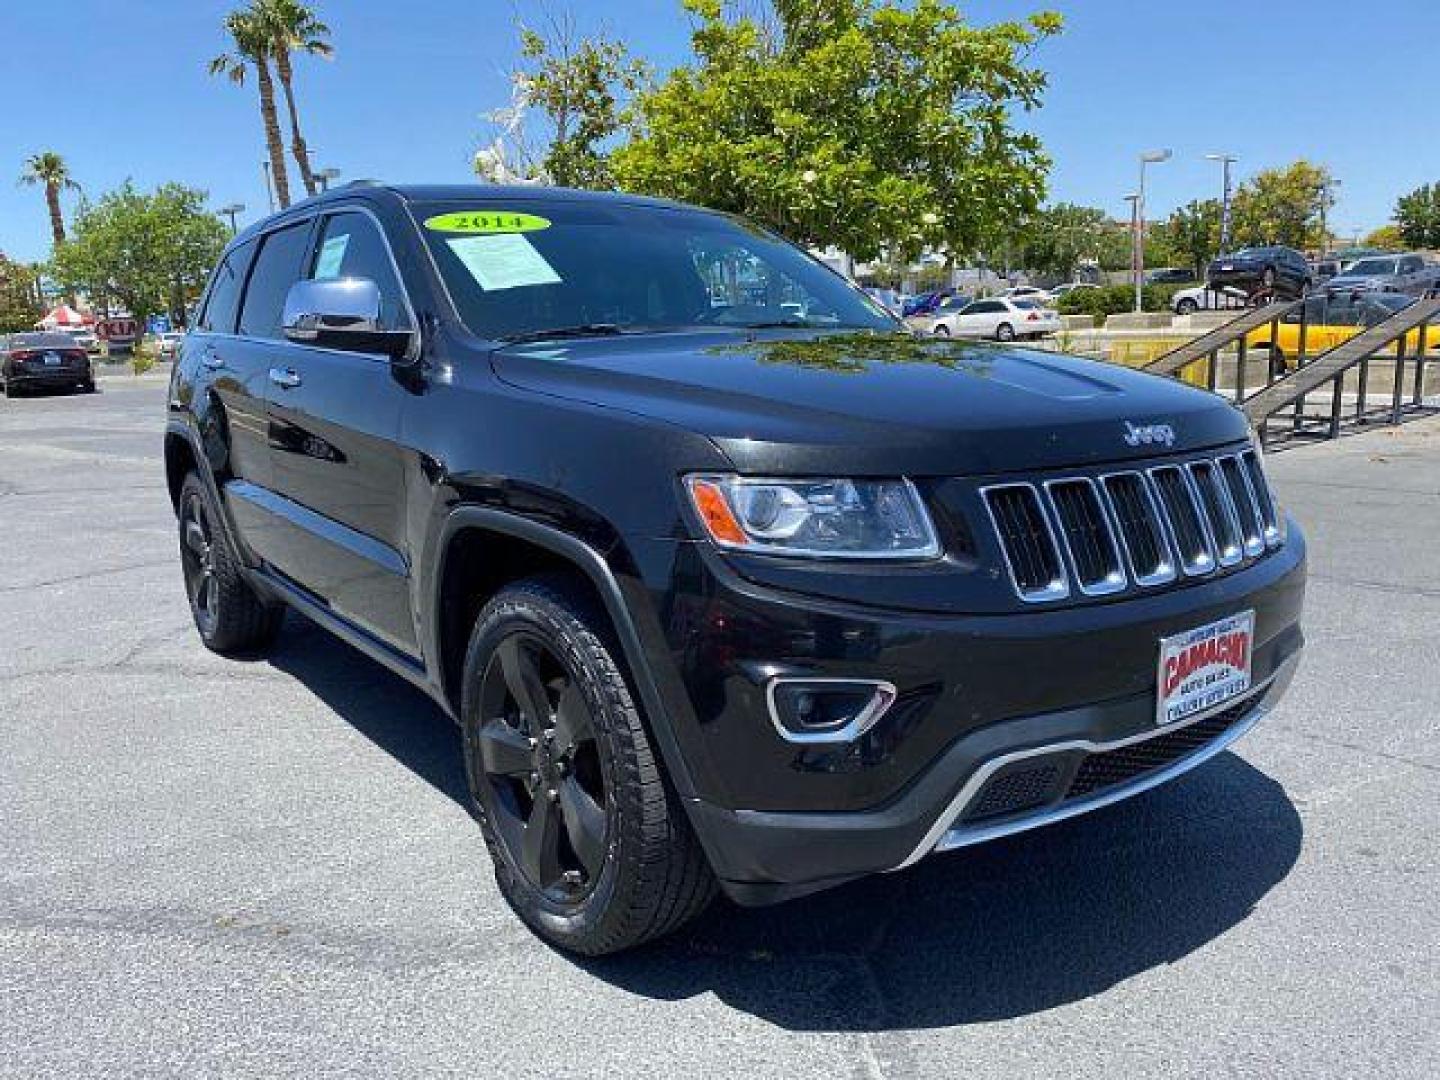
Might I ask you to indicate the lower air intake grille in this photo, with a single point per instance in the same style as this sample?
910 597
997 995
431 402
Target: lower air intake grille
1123 764
1021 787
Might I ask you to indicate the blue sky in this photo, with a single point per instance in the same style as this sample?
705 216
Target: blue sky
123 92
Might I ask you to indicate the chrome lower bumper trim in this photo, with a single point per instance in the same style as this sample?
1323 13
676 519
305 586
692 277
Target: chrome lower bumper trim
944 835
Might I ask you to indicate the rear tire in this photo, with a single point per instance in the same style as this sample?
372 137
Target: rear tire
230 616
1004 332
591 849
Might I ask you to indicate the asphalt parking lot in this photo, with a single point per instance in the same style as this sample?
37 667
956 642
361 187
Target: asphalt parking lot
264 868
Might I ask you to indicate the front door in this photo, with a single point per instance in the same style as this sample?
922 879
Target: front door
337 466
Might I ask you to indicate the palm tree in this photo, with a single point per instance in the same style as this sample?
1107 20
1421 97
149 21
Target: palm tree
49 169
294 27
252 49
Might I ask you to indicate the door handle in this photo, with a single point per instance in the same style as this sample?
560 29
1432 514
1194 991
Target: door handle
284 377
212 360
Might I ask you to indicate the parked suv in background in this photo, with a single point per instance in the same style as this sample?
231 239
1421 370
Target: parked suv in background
717 594
1281 270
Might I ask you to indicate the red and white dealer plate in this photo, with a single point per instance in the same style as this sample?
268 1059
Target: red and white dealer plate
1203 668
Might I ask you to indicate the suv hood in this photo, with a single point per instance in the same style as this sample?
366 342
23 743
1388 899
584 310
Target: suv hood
878 404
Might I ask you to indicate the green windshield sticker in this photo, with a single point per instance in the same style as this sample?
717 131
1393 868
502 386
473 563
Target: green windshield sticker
487 221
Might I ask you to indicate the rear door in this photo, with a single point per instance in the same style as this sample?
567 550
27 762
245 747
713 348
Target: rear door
226 386
254 349
339 471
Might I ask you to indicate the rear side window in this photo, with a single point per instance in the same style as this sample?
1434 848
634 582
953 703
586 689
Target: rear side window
219 314
277 267
351 246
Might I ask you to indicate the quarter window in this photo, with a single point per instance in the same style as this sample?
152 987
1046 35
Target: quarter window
219 314
276 268
351 247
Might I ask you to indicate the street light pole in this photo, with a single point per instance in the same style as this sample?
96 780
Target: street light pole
1136 265
1150 157
1226 160
230 211
1325 189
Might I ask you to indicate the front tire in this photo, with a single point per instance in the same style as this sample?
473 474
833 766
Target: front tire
590 847
1186 307
941 330
230 616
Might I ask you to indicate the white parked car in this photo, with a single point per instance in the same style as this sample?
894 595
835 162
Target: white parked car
1026 292
1070 287
1000 318
167 345
1204 298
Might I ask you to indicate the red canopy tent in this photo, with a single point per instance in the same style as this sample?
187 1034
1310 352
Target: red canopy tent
65 317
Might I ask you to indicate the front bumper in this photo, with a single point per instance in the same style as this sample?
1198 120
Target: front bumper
980 699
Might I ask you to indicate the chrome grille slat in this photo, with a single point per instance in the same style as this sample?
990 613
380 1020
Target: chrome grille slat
1087 536
1027 541
1144 527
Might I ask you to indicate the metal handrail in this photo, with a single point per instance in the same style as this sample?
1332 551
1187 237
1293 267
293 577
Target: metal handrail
1210 344
1334 364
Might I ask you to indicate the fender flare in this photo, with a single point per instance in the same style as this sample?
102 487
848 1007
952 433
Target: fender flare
593 565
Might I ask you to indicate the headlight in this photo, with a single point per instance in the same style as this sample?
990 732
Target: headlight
840 519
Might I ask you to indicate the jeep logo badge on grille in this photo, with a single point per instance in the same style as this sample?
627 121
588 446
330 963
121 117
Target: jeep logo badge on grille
1145 434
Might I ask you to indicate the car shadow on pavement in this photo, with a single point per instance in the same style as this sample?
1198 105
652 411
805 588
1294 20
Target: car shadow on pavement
383 707
1005 929
1001 930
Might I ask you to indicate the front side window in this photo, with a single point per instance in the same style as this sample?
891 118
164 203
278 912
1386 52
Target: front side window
277 267
519 268
351 246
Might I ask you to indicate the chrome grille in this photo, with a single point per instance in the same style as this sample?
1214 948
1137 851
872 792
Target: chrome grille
1107 533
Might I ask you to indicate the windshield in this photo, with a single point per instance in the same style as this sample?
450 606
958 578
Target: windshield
1372 266
548 268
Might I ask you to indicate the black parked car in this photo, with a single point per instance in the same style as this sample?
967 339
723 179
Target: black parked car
43 361
1280 271
766 593
1170 275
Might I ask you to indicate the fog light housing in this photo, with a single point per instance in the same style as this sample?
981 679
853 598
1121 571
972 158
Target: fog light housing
821 710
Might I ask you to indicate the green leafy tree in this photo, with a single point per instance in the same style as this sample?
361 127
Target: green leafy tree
1417 215
254 45
569 102
1391 238
48 170
1059 238
1192 233
20 307
294 27
1284 206
865 125
148 253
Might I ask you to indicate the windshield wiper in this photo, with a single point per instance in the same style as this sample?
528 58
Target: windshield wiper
595 329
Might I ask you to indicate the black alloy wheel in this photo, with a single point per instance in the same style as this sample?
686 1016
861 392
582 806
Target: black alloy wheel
230 615
591 847
537 748
197 558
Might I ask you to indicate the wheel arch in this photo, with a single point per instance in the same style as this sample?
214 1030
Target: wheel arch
478 551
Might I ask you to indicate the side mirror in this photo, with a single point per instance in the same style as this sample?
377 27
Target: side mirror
341 313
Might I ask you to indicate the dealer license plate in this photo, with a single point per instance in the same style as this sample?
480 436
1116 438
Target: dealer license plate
1203 668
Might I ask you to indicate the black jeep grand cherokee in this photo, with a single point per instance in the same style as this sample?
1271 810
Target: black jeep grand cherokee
727 579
